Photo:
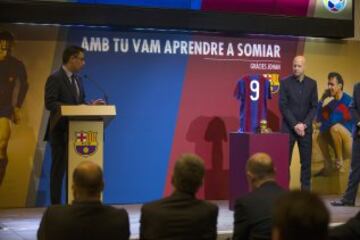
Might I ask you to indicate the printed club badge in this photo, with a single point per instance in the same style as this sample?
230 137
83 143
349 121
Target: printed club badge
86 143
274 79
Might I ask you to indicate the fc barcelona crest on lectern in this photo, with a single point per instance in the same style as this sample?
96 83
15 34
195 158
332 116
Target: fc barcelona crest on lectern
86 143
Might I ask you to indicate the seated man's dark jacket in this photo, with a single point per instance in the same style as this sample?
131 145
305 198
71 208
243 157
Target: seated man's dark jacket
252 215
84 220
349 231
179 216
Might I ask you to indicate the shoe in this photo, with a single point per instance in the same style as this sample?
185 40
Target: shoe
322 173
342 203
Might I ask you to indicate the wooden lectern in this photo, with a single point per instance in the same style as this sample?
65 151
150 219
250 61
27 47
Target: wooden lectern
86 135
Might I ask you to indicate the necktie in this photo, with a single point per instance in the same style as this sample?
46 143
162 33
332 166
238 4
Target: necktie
74 87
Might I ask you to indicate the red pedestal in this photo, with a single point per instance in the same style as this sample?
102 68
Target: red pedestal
243 145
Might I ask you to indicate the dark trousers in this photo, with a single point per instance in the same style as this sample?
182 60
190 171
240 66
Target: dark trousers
354 177
305 149
58 169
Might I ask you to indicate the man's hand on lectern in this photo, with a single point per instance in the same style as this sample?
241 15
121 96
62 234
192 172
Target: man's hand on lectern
98 102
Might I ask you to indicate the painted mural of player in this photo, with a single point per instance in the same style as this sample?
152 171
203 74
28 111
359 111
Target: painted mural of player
13 88
253 91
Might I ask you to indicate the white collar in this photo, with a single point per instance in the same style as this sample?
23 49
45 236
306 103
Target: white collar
67 72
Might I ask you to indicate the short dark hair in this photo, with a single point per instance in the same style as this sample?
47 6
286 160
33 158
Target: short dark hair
9 38
188 173
300 215
6 35
71 51
90 182
338 77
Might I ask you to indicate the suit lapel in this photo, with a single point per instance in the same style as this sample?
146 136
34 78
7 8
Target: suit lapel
66 81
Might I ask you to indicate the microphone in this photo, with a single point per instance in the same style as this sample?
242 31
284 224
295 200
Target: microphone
98 86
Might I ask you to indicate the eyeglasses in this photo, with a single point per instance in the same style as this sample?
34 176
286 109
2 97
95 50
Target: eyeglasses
80 58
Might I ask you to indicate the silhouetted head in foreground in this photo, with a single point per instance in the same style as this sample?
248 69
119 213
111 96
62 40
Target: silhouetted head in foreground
300 215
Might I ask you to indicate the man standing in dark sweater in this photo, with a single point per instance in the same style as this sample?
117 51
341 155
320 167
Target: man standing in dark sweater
298 103
63 87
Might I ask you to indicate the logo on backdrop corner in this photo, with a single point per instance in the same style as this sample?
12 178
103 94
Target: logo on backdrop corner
274 79
86 143
335 6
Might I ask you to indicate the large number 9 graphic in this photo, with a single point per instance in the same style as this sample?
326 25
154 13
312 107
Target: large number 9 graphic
255 90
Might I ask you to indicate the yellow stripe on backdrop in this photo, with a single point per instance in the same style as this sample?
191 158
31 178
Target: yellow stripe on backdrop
37 53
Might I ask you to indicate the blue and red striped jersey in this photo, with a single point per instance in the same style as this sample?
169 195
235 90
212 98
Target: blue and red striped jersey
253 91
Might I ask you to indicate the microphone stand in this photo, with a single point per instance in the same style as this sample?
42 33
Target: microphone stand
98 86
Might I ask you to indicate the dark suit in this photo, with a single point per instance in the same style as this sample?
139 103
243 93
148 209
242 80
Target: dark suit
348 231
354 177
298 103
58 91
179 216
252 214
84 220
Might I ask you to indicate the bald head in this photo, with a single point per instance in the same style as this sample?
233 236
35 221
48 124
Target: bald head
260 167
299 67
87 180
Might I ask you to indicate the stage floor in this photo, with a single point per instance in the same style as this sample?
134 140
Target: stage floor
22 223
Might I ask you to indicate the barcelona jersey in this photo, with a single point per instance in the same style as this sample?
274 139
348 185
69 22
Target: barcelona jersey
253 91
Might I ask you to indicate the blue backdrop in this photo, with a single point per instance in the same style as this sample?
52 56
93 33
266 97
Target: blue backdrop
146 90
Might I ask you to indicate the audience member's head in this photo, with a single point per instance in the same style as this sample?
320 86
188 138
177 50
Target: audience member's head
188 173
300 215
259 169
88 182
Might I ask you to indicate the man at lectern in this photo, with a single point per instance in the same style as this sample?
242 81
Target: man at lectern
63 87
